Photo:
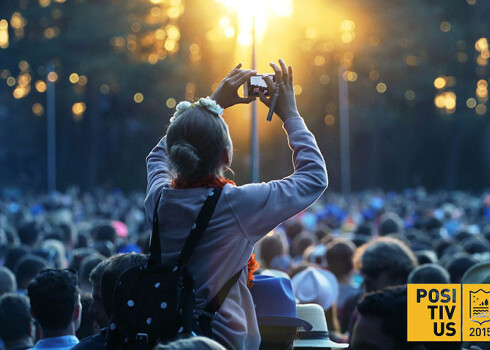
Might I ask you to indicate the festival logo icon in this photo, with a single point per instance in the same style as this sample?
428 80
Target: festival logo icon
479 306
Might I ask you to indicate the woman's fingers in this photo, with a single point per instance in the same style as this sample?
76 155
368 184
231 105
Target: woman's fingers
264 99
285 75
271 87
234 71
246 99
277 72
242 76
290 69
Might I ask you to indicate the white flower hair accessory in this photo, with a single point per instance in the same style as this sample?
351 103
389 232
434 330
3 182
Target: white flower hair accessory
181 108
208 103
211 105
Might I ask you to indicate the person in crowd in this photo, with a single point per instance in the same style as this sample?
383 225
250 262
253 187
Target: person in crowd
87 265
191 159
390 223
270 247
26 269
103 278
458 266
275 308
429 273
8 283
339 255
13 254
55 305
30 234
16 326
384 262
383 324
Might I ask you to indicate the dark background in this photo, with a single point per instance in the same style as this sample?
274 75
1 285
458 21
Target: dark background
399 138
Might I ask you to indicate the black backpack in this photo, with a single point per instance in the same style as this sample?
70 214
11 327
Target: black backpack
155 301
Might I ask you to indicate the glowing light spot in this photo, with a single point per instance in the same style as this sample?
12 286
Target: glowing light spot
82 80
44 3
74 78
319 60
481 109
5 73
173 32
412 60
410 95
52 77
78 108
471 103
171 103
482 61
381 88
135 27
40 86
374 75
329 120
152 58
51 32
255 12
138 97
38 109
4 34
170 45
445 26
439 82
19 92
471 2
439 101
174 12
483 83
104 89
160 34
347 37
23 65
157 2
324 79
11 81
229 32
481 44
298 90
347 25
349 76
194 49
156 11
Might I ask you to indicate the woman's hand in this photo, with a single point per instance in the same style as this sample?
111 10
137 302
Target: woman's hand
227 92
286 102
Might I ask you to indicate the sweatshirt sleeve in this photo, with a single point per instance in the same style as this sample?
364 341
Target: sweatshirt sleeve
259 208
159 175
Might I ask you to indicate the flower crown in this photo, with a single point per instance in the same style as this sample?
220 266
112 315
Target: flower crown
207 103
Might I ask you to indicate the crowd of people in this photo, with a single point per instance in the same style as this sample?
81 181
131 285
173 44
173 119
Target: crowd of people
339 254
276 265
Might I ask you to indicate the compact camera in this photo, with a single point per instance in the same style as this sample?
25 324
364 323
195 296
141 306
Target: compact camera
255 84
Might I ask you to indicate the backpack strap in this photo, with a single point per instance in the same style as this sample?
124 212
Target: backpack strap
207 315
199 226
155 255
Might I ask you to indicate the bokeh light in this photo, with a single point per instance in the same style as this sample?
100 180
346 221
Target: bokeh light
381 88
38 109
171 103
138 97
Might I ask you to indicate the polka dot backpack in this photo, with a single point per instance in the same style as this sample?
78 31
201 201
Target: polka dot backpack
155 301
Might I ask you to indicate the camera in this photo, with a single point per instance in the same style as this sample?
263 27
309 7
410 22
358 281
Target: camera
255 84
